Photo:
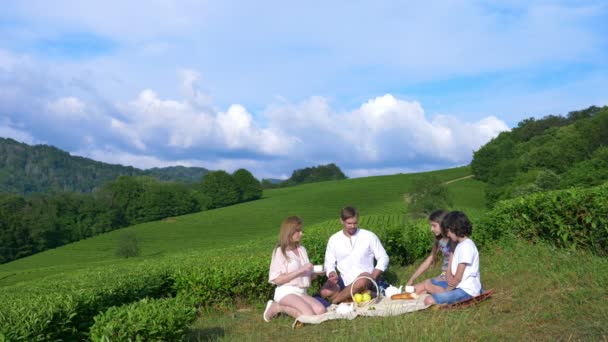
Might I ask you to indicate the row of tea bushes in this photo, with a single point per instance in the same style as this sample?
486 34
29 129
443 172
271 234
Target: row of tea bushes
574 218
165 319
63 307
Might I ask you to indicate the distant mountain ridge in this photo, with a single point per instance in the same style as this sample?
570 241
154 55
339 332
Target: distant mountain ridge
27 169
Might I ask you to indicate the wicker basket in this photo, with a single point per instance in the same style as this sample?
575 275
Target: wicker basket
369 302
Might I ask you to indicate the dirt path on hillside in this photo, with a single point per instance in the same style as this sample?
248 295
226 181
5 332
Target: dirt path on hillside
457 179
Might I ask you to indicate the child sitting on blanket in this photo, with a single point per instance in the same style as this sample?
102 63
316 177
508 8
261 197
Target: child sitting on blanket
463 278
443 245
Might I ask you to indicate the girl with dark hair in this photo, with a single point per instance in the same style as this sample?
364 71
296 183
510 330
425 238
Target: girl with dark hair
463 275
441 245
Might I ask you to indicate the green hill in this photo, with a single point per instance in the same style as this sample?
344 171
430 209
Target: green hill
555 152
26 169
236 224
219 260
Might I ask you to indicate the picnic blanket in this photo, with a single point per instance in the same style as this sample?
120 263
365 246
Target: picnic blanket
383 307
387 307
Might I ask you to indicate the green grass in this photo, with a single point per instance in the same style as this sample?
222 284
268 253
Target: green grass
232 225
540 293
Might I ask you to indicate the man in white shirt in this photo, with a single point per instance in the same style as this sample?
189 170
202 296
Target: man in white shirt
351 252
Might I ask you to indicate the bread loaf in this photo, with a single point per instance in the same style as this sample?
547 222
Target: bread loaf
404 295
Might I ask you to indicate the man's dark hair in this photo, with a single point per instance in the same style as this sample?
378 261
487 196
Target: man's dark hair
458 223
348 212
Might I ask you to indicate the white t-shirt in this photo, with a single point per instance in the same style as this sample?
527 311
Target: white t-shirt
466 252
355 255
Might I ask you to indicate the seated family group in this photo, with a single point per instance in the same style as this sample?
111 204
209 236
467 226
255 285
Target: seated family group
349 261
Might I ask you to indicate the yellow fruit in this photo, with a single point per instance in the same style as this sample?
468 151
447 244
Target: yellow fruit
368 291
358 297
366 297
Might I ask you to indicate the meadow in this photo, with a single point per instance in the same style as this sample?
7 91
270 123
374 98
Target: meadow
228 226
221 256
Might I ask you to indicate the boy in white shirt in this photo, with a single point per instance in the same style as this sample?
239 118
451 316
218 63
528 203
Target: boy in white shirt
463 278
351 252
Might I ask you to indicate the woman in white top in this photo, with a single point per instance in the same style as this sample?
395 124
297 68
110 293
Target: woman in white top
292 272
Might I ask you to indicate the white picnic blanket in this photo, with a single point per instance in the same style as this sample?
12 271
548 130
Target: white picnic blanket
384 307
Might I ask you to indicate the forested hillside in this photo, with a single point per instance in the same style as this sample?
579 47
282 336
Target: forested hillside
26 169
555 152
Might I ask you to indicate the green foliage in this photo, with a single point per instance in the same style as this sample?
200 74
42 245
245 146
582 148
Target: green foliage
163 319
575 218
315 174
567 152
63 307
427 194
182 174
210 229
128 246
221 188
270 183
45 221
249 187
26 170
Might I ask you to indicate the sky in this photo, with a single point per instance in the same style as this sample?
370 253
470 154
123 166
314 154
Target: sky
380 87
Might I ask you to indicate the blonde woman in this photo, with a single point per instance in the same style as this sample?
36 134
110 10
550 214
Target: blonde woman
291 272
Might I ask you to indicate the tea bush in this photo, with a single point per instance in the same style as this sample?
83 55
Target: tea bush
574 218
116 303
62 308
147 320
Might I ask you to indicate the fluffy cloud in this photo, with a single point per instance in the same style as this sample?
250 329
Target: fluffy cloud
383 132
383 135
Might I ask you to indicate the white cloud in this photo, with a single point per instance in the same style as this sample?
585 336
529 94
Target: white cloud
384 131
69 108
7 130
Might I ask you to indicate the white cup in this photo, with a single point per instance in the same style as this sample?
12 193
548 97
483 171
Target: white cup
410 289
318 268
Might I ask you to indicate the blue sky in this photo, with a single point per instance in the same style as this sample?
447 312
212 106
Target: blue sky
377 88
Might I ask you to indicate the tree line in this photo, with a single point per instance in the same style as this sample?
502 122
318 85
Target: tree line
31 224
27 170
313 174
555 152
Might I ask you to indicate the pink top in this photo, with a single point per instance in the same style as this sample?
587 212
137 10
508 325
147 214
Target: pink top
293 262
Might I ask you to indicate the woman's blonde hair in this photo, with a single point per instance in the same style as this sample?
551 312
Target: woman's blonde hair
289 226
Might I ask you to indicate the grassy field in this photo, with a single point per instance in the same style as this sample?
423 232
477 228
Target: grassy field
232 225
540 293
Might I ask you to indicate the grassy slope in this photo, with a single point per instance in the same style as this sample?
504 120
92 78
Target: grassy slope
540 293
223 227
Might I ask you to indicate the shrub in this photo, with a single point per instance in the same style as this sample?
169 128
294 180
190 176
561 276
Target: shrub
128 246
147 320
575 218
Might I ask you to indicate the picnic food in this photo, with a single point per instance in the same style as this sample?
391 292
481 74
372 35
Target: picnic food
358 298
404 295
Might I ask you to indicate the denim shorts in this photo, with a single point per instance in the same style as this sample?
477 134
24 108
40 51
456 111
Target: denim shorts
456 295
440 283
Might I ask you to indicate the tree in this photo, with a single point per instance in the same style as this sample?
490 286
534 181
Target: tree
315 174
249 187
128 246
428 194
221 188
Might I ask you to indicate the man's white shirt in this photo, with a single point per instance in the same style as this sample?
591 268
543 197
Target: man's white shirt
355 255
